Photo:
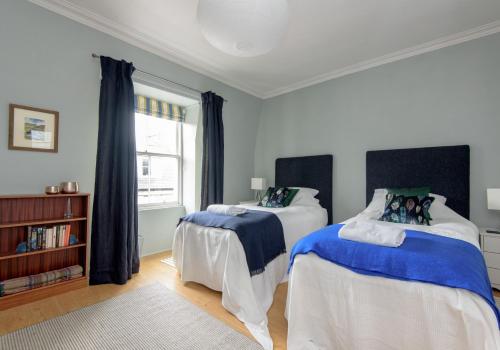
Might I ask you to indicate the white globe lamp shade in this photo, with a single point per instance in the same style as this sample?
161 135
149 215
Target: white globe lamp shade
243 28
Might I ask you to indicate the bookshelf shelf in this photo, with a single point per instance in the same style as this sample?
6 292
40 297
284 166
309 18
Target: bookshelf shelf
29 296
41 251
20 212
41 222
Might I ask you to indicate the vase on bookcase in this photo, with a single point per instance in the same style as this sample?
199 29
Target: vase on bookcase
68 214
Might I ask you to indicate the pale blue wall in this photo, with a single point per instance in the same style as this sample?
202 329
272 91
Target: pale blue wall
45 62
446 97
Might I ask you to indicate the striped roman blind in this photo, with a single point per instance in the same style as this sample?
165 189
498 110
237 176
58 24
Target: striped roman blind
160 109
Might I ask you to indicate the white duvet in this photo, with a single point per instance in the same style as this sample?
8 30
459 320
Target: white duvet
331 307
215 258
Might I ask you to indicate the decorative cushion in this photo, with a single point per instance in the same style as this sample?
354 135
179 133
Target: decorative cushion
278 197
407 209
410 191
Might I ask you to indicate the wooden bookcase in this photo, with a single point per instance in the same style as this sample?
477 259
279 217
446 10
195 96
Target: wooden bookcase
17 213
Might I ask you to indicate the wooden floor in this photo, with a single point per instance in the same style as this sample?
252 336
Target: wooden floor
152 271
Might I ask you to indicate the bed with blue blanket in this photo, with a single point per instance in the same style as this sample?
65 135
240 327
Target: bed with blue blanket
432 292
246 257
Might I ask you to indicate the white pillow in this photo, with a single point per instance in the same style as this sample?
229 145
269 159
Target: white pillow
305 197
313 192
377 205
438 197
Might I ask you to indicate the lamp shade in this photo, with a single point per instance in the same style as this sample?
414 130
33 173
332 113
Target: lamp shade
258 183
493 195
243 28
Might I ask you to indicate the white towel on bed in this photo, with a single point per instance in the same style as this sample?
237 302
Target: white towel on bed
371 231
222 209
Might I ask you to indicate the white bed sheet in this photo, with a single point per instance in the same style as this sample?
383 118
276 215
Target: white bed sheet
215 258
331 307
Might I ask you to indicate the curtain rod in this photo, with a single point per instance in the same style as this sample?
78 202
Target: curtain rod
162 78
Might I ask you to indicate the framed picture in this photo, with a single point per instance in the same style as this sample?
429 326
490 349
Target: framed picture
33 129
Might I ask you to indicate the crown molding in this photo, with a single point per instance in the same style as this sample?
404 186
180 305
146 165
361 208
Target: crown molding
190 60
179 55
455 39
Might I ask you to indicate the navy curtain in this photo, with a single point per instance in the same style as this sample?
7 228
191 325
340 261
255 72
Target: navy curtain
114 252
212 176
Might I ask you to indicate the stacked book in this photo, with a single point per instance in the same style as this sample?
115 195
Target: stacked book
21 284
48 237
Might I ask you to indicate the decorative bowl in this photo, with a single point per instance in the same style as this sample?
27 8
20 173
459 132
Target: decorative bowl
52 190
69 187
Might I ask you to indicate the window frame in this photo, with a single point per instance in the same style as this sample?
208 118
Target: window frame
180 160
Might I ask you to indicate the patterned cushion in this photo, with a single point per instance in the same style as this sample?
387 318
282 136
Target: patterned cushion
410 191
407 209
278 197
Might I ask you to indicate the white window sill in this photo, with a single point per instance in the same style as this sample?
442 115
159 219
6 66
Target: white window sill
148 207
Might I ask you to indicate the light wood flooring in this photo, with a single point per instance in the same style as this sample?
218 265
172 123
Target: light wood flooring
152 271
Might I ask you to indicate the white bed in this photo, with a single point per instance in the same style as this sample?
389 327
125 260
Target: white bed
331 307
215 258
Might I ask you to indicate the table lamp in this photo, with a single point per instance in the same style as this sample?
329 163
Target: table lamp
258 184
493 195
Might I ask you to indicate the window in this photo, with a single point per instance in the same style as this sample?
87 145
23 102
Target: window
159 160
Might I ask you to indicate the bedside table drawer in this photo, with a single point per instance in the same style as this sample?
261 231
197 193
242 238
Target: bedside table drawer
492 260
492 244
494 275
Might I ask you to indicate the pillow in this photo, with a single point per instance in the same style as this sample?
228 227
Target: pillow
438 197
378 201
403 209
410 191
311 191
305 197
305 201
278 197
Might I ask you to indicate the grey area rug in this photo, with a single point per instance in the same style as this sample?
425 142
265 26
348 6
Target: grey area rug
151 317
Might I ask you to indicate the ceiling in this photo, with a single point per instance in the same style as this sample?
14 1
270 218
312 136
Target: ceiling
326 38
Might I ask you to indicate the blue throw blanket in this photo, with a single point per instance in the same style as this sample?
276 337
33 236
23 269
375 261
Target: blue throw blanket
422 257
260 233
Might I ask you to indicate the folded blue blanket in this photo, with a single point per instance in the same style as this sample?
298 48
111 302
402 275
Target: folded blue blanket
260 233
422 257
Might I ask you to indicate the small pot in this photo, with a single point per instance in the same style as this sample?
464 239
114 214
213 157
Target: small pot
69 187
52 190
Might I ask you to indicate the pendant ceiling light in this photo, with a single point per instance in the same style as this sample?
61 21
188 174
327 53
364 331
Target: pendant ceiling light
243 28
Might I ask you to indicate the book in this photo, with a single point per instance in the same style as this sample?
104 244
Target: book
68 232
48 235
33 239
28 239
54 237
59 237
39 232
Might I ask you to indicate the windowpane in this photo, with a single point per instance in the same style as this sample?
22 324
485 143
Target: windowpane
161 185
155 135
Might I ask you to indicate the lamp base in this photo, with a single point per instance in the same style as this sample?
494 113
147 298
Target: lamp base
258 196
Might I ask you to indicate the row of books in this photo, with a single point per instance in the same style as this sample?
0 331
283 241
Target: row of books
48 237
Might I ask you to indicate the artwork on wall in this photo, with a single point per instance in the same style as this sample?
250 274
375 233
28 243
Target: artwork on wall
33 129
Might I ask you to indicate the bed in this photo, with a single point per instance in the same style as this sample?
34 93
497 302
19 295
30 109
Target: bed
332 307
215 257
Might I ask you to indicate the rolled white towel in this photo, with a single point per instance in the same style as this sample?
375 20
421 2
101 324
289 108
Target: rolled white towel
373 232
222 209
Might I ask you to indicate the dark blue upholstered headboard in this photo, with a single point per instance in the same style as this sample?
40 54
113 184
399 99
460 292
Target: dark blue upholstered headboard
313 172
446 170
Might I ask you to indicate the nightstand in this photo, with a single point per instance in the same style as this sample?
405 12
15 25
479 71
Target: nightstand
252 202
490 246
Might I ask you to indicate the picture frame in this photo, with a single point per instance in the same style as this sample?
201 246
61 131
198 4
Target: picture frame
33 129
